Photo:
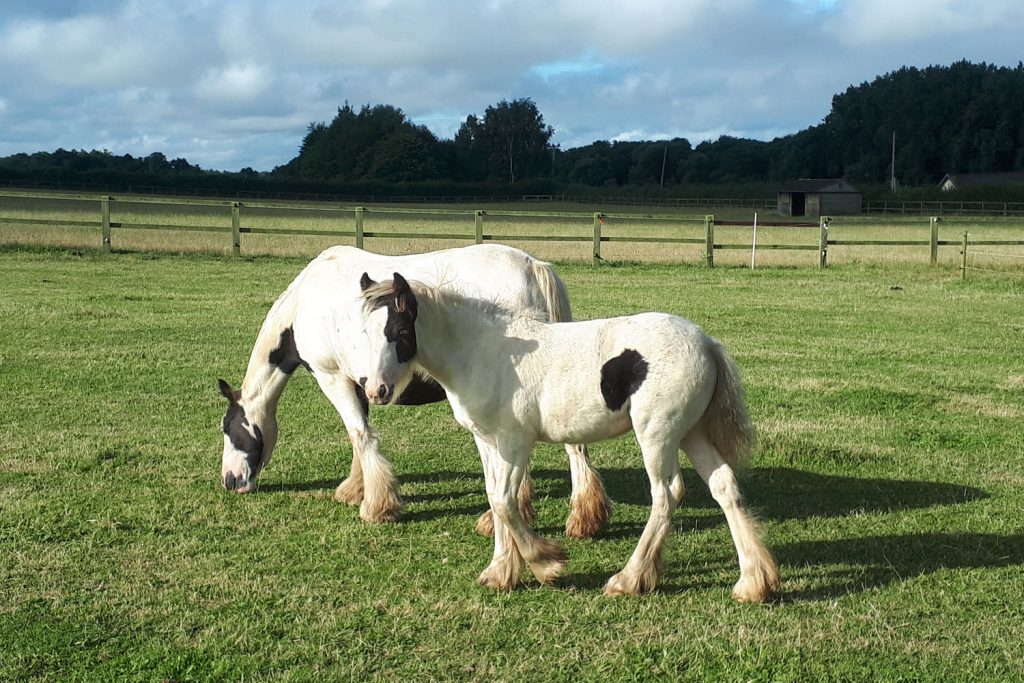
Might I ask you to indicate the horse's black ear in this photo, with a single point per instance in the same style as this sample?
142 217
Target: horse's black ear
365 281
225 391
401 285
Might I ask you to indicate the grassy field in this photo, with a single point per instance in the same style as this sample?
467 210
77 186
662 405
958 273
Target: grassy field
889 480
508 223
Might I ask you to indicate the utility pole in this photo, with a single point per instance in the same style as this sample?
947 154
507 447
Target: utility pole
892 175
664 156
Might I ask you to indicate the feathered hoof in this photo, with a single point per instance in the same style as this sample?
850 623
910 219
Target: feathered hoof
499 577
485 524
757 587
550 561
626 583
588 516
349 492
385 511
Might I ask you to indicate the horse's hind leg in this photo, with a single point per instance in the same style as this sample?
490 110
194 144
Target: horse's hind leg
590 508
641 573
372 476
759 575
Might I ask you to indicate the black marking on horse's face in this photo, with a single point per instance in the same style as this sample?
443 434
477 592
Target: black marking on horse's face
286 355
621 377
251 444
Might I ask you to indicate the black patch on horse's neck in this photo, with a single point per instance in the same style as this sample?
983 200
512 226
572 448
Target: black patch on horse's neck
234 426
421 390
286 355
621 377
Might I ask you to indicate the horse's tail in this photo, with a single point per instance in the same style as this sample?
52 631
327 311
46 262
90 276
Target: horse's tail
556 296
728 425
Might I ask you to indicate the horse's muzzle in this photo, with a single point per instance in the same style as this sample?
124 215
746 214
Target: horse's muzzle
237 484
382 395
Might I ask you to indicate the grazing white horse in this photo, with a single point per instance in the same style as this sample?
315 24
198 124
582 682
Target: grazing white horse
514 380
317 323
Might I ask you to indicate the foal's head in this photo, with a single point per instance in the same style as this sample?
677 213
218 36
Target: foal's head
389 323
248 441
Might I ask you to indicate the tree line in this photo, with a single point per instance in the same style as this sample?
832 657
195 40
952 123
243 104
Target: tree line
959 118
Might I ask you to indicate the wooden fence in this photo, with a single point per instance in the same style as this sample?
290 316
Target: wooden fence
355 216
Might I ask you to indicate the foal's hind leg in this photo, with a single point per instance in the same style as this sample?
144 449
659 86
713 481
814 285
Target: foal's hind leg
373 477
759 575
590 508
641 573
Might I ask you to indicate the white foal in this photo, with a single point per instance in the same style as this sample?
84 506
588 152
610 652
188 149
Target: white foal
514 380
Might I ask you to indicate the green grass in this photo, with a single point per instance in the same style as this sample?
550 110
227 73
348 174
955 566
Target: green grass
889 480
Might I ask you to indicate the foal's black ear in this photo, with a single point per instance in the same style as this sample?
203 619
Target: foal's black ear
225 391
405 301
365 282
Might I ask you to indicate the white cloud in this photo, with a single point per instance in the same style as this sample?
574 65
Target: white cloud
235 84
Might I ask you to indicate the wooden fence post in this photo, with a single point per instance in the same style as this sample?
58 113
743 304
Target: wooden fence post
105 222
963 258
478 220
934 225
709 240
236 234
359 227
823 242
598 219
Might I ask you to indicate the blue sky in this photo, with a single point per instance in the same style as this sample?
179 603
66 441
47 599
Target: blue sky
234 84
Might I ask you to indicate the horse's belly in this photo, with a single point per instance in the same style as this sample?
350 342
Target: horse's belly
584 427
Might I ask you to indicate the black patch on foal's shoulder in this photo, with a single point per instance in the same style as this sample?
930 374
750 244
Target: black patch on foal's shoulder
286 355
621 377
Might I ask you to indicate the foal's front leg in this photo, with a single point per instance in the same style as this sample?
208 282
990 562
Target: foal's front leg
504 469
371 482
590 508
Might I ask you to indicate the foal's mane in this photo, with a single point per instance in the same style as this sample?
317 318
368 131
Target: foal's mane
381 294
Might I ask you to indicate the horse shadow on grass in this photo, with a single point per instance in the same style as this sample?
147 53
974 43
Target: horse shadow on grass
823 569
829 568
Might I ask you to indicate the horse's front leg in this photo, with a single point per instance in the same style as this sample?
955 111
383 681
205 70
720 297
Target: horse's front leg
371 482
505 466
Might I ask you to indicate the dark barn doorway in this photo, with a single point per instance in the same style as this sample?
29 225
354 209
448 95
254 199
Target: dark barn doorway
799 205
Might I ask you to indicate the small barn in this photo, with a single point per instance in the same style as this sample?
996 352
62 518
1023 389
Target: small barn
818 197
958 181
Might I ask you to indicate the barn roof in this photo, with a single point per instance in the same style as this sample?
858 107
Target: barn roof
836 185
976 179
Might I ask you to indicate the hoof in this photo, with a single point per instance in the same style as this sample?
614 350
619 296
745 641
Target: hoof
499 578
620 585
755 589
375 514
550 561
349 492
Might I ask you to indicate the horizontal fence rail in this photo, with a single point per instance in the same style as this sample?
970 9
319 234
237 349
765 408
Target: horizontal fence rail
486 226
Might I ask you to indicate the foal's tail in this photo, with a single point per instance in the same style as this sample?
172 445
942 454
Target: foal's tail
726 420
556 297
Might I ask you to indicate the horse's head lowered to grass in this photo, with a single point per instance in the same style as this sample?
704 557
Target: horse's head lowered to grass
249 439
388 307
